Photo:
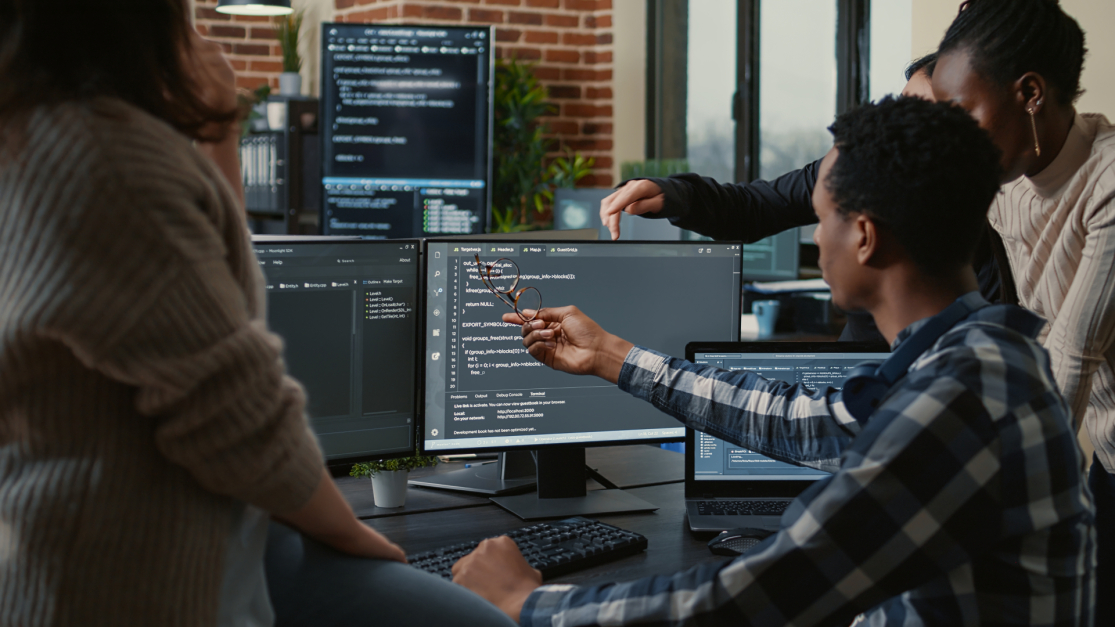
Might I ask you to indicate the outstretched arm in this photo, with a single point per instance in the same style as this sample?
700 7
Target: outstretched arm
728 211
787 422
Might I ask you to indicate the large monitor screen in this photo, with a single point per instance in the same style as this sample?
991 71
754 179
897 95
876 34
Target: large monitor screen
406 119
346 311
775 258
717 460
483 390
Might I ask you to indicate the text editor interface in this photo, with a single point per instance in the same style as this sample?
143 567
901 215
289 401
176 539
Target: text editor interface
483 390
406 130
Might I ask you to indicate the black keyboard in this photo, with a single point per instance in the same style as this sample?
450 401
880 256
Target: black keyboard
554 548
742 508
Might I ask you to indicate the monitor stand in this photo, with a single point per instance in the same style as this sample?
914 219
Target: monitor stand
561 491
511 473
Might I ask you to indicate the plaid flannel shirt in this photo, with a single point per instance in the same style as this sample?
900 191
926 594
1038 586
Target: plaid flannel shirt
959 502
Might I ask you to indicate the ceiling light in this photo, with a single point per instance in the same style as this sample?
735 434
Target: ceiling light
254 7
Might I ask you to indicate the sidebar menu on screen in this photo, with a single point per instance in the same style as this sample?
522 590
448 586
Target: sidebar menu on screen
347 314
406 129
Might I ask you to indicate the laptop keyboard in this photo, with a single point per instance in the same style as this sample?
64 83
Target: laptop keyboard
741 508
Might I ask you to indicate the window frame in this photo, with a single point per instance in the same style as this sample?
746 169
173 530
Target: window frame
667 65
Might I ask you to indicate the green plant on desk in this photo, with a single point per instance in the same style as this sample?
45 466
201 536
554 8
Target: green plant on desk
371 469
389 477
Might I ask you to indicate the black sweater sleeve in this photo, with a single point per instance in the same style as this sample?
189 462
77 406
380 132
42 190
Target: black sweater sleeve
740 211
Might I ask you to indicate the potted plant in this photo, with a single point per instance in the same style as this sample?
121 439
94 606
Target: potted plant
525 175
286 31
389 477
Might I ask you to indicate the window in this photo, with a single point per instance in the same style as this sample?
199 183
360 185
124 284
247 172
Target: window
891 35
746 89
710 129
797 83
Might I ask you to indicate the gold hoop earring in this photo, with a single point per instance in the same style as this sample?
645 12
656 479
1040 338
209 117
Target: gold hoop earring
1034 126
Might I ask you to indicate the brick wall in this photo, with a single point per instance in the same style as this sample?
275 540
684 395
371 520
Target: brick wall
248 41
570 40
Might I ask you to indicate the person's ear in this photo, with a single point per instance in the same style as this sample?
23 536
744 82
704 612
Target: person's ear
866 234
1030 91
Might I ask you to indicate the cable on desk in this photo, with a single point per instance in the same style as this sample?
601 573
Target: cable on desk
599 478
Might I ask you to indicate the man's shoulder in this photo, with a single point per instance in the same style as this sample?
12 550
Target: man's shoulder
995 355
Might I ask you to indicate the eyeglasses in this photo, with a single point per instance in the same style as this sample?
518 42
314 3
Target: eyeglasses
501 277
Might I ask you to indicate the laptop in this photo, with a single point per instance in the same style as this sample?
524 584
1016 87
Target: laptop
727 486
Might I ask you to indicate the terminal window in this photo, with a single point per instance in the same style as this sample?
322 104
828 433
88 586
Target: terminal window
483 390
716 459
406 119
347 316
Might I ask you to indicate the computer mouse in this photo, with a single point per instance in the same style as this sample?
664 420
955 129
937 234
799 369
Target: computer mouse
735 542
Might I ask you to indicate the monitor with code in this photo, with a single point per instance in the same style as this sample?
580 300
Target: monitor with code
406 129
347 312
483 391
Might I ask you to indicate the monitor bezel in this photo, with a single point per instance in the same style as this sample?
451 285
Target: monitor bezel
695 488
486 214
421 439
419 372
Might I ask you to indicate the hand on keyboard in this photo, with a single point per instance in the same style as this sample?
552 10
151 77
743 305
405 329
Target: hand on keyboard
554 548
497 571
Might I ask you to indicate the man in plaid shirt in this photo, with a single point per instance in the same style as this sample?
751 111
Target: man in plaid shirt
959 501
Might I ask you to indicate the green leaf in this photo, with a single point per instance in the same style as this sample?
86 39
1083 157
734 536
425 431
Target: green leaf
286 31
372 468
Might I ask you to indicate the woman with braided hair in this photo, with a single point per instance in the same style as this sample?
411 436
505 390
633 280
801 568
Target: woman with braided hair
1015 66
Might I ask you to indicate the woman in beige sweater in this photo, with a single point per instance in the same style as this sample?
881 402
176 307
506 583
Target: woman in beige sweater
1015 66
146 426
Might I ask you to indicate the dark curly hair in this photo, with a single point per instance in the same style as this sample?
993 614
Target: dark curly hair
924 171
1008 38
66 50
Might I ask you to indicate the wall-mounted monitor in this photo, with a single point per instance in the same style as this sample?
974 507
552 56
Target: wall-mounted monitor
406 129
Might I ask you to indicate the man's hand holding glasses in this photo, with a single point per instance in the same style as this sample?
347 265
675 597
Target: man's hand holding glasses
501 277
564 339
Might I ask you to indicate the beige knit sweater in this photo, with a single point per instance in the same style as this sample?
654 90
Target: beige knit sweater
1059 231
140 392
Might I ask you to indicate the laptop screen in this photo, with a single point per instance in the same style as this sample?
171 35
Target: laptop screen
717 460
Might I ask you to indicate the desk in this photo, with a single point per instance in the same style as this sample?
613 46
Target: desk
434 518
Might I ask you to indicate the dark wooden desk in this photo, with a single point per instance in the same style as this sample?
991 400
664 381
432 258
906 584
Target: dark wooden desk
434 518
625 466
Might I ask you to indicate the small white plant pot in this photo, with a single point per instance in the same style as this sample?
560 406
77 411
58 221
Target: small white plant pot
290 84
276 115
389 488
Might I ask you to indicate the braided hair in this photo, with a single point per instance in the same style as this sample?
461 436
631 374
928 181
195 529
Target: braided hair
1008 38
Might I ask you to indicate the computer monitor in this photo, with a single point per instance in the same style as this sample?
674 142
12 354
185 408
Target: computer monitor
406 129
744 472
568 235
483 392
775 258
580 209
347 312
